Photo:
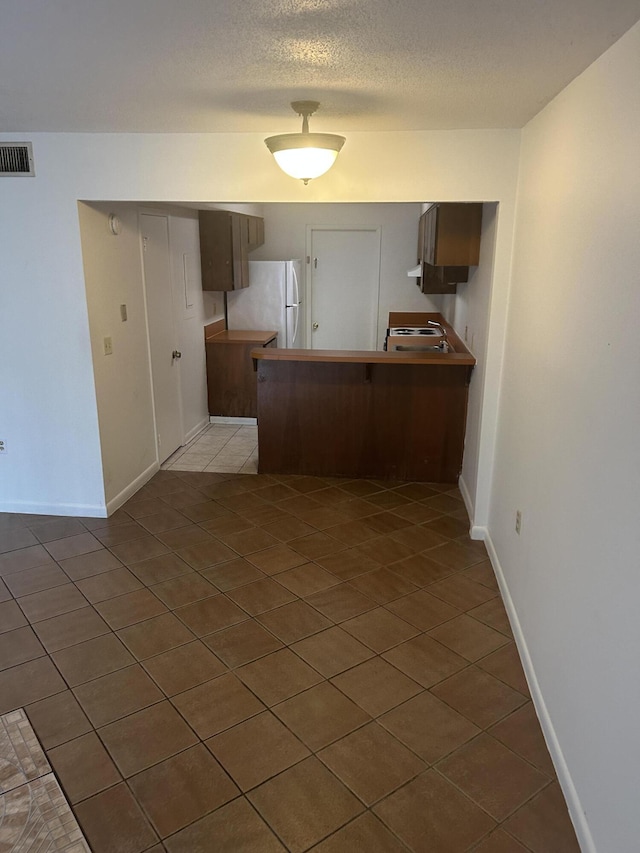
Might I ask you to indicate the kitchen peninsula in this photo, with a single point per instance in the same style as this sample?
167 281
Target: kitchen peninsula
365 414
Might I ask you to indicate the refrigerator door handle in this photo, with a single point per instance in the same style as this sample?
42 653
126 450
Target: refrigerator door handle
296 305
295 285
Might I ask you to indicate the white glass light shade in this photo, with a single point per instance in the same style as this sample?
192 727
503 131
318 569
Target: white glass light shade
305 155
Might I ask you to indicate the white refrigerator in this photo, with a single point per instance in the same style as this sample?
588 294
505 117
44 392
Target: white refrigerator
272 301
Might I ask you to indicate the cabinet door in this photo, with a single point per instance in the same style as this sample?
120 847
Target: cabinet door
442 279
227 374
430 234
449 234
226 238
427 236
240 244
436 280
421 229
256 232
457 236
216 250
231 379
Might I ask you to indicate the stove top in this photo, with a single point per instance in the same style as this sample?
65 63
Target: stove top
415 330
430 338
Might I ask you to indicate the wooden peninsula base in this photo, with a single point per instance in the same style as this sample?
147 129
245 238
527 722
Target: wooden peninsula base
367 414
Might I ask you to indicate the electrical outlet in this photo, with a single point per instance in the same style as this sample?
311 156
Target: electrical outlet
518 521
123 313
3 447
466 332
108 346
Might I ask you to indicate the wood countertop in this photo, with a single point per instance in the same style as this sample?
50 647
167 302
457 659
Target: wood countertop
241 336
457 356
454 359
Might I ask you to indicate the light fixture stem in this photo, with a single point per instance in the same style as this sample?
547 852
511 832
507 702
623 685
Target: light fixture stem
305 109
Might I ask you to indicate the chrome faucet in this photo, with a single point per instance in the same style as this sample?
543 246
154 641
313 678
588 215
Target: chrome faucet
444 343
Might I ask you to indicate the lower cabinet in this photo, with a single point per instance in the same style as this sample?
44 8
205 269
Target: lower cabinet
231 379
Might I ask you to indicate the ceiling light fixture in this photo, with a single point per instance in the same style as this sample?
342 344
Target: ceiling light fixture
305 155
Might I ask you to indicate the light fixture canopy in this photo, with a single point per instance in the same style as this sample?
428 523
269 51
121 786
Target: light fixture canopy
305 155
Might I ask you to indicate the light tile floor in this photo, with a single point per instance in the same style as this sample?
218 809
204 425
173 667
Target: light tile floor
34 814
221 448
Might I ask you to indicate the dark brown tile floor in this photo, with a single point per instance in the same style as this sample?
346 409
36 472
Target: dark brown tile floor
255 663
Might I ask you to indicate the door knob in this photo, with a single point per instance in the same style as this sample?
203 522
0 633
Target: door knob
315 326
176 354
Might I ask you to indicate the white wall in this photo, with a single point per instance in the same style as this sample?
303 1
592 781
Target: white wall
285 237
568 450
113 276
48 410
471 316
48 413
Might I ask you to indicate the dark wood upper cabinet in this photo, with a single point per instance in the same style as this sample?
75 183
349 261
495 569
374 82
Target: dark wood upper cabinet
448 244
226 238
255 230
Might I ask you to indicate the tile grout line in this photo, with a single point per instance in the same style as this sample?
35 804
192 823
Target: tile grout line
312 561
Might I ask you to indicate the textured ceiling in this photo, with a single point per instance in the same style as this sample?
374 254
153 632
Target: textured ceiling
234 65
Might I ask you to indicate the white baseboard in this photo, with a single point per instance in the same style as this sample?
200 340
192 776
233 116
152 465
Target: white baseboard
130 490
466 497
475 531
84 510
218 419
478 532
196 429
576 812
81 510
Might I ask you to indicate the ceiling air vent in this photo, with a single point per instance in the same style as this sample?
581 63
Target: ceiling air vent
16 160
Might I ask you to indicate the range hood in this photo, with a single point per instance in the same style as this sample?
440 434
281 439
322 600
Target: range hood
415 272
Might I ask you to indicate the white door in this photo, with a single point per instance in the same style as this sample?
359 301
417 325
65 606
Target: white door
345 283
165 364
